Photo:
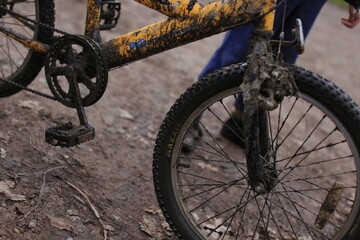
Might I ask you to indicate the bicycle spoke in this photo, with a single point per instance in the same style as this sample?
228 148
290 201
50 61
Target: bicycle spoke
212 160
321 188
221 154
232 118
227 210
319 162
311 151
295 204
317 177
231 217
222 150
17 48
11 60
214 196
213 188
304 158
213 138
201 177
309 197
274 219
261 211
286 215
285 120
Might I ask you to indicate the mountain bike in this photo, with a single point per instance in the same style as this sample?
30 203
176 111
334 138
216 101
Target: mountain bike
297 177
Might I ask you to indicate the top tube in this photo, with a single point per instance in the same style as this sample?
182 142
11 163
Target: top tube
188 22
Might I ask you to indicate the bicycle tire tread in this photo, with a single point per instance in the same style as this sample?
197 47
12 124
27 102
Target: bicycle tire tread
35 62
312 79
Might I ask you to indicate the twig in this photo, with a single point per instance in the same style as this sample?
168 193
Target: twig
41 190
92 207
32 144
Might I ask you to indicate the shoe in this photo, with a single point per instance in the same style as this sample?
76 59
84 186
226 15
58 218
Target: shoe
192 135
233 129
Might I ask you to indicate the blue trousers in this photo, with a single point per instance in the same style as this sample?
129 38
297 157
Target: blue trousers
235 45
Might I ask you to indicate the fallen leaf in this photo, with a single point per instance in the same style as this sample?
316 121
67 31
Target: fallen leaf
5 187
110 228
60 223
167 229
153 210
2 153
5 137
125 114
207 167
30 104
148 225
108 119
151 136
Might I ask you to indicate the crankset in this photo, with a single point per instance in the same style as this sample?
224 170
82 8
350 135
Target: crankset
77 75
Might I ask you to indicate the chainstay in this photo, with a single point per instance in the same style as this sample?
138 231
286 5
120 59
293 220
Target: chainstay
38 23
30 90
34 21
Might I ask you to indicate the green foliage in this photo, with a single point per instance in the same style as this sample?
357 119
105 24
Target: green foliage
340 2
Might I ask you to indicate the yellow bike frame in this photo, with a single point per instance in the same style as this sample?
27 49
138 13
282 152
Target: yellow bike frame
187 22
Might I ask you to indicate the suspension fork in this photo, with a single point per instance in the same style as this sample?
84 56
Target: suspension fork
257 140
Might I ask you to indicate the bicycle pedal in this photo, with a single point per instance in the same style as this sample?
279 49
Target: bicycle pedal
69 135
109 15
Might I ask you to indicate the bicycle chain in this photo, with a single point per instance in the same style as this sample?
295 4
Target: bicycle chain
38 24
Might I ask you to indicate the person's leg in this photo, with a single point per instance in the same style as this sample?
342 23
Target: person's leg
235 45
307 11
232 50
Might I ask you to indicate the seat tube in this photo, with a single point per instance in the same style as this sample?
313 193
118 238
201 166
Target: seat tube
266 23
92 19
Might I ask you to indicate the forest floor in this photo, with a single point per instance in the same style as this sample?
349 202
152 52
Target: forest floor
113 173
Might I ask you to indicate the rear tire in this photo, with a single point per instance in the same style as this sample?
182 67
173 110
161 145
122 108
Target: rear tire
18 63
204 193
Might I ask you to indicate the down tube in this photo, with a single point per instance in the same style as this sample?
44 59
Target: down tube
200 22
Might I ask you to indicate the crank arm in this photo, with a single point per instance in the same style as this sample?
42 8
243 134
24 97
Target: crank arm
69 135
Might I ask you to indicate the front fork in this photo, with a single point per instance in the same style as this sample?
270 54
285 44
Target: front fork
257 140
265 85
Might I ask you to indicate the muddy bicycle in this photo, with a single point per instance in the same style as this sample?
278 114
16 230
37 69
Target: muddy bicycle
298 175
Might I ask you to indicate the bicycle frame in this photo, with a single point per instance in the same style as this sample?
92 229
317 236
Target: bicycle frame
187 21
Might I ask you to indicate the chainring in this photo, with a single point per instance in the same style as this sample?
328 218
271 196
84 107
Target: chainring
79 57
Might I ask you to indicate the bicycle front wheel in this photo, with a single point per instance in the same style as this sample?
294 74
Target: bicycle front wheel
203 187
19 64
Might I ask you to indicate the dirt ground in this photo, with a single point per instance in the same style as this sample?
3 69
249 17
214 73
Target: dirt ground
50 190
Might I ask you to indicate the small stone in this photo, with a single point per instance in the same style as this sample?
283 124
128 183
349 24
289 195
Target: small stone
2 153
125 114
4 137
124 235
110 228
16 230
72 212
108 119
69 238
60 223
29 104
32 223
